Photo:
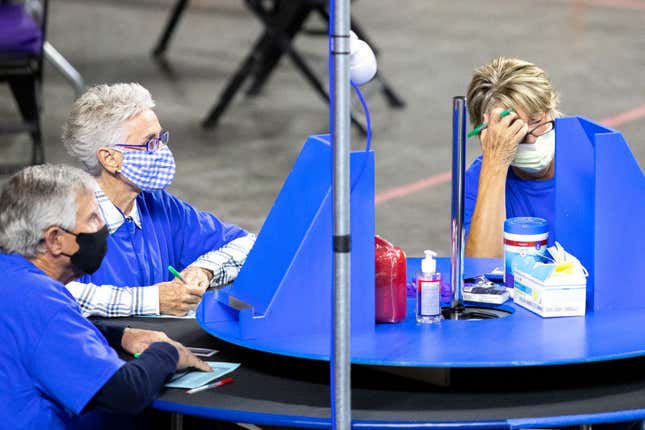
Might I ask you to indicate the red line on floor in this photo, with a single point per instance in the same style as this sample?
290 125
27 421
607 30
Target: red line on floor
616 4
413 187
622 118
441 178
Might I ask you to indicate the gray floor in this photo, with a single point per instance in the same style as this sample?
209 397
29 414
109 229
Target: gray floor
594 51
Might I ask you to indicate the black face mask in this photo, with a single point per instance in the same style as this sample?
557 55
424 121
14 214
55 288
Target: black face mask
91 250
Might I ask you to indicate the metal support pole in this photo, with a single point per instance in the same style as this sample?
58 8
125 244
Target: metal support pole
63 66
176 421
341 366
457 208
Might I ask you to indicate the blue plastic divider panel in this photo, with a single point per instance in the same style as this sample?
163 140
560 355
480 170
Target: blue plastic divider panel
600 207
285 286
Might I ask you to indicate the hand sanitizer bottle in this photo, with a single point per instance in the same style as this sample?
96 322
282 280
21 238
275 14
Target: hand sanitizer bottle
428 290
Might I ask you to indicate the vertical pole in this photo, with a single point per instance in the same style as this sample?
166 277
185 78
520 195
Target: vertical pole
340 360
176 421
457 208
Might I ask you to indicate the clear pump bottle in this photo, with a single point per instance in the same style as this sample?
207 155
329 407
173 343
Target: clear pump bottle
429 290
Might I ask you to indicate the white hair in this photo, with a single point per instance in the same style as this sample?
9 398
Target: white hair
36 198
98 119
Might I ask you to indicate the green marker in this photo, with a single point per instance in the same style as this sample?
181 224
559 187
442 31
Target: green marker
480 127
137 354
177 274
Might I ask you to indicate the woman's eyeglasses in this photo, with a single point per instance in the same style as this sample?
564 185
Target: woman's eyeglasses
542 129
153 143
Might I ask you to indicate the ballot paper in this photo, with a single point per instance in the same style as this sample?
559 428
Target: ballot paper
197 378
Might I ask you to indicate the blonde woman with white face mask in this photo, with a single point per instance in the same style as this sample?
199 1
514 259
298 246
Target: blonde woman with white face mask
514 176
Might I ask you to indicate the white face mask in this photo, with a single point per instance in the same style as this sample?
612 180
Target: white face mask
536 157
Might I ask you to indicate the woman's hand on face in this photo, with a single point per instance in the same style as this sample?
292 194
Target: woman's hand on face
501 137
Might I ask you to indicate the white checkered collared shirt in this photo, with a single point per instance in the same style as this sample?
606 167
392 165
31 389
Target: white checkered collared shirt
120 301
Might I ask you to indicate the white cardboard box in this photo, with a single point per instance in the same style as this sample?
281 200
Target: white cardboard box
557 296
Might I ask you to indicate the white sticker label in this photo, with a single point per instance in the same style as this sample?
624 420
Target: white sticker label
430 291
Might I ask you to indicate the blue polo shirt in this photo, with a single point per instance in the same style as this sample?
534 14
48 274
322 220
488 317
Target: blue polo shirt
52 359
172 233
535 198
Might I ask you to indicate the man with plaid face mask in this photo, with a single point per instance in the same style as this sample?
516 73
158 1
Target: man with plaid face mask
114 132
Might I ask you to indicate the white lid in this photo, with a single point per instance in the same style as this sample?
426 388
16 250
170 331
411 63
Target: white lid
429 264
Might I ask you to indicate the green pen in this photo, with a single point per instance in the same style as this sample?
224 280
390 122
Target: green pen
480 127
177 274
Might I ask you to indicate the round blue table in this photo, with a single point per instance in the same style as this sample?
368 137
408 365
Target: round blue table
519 371
286 391
521 339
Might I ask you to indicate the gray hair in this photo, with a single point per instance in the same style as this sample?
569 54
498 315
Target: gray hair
36 198
98 119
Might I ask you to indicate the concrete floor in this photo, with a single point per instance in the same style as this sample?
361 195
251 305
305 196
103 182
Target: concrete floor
592 49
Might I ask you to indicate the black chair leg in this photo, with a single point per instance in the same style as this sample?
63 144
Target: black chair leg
393 99
292 15
235 83
25 90
317 85
265 54
169 29
265 49
270 61
282 43
37 149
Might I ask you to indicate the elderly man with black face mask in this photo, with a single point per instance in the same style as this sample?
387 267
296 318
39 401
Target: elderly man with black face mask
514 176
56 366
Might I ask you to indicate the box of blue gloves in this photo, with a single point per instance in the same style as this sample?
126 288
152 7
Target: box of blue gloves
553 285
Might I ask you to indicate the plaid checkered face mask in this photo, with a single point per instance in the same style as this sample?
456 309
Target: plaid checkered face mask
149 170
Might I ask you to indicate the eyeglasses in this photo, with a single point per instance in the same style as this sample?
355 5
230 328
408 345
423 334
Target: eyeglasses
542 129
151 144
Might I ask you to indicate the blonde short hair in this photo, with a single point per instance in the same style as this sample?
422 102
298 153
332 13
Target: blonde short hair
510 82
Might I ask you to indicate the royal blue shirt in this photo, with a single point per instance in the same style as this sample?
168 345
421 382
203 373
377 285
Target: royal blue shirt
524 197
172 233
52 359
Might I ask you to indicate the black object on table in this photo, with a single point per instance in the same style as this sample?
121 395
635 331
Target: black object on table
277 390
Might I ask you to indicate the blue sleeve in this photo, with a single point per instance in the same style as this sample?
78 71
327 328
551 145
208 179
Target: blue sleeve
138 382
471 187
112 334
72 361
197 232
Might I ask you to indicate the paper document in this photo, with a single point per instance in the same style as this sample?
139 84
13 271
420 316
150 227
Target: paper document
197 378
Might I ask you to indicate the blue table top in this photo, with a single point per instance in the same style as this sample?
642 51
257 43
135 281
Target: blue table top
521 339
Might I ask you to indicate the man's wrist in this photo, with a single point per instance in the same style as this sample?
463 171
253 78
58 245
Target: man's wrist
151 299
208 272
124 337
